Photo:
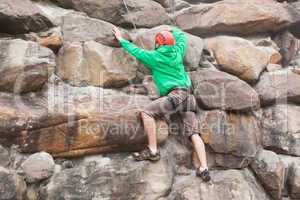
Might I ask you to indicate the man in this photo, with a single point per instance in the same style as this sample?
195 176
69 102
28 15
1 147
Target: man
174 84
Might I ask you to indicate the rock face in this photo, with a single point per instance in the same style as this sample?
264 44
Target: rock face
4 157
146 39
78 27
12 186
38 166
144 13
289 46
240 57
281 129
279 86
117 178
95 64
21 17
97 121
230 184
233 16
294 183
294 9
235 134
25 66
217 90
270 170
71 98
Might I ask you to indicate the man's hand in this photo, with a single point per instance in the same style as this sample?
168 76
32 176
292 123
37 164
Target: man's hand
117 33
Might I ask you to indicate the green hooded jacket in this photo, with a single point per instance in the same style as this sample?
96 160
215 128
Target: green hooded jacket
166 62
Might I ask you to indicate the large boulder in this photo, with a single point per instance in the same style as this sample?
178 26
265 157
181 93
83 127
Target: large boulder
115 177
12 186
234 16
21 17
146 39
78 27
281 129
173 5
289 46
38 166
294 182
144 13
25 66
279 86
69 121
290 164
228 184
217 90
294 9
53 12
238 135
241 57
4 157
271 171
92 63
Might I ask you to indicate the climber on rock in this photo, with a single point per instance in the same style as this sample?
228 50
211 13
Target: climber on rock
175 88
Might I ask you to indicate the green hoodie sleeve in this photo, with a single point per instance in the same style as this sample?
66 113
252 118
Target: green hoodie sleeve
144 56
181 41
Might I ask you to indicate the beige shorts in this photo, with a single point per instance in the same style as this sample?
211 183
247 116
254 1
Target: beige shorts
177 101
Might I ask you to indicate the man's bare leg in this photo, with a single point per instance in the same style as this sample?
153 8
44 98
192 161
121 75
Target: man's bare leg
196 161
199 148
150 129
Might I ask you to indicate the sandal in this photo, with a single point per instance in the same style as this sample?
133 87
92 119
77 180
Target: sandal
146 154
204 175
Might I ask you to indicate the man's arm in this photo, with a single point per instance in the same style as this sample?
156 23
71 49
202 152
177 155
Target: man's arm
144 56
181 41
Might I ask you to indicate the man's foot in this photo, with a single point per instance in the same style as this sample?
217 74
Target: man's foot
203 174
146 154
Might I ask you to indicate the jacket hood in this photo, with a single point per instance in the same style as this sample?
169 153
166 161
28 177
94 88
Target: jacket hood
169 55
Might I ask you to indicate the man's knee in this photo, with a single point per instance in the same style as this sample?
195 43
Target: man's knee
194 137
146 115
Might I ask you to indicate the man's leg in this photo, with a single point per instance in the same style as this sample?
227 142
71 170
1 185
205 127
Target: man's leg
155 109
150 129
200 151
190 128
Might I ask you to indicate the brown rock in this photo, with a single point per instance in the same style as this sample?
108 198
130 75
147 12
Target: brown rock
151 88
279 86
294 10
95 64
289 46
233 16
270 171
111 177
78 27
25 66
273 67
4 157
289 163
92 121
146 39
12 186
144 13
38 166
225 184
227 133
281 129
240 57
52 42
21 17
219 90
294 182
53 12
